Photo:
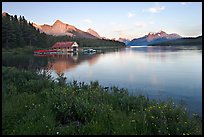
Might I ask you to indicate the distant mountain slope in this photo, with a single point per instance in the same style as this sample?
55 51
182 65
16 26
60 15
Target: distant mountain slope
124 40
60 29
181 42
152 38
94 33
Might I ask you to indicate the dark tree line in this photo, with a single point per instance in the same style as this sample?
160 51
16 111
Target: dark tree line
181 42
18 32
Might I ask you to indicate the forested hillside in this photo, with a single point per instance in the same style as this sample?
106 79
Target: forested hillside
181 42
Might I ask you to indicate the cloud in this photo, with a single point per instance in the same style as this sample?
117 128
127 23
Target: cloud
120 28
156 9
130 15
112 23
184 3
87 21
141 24
151 22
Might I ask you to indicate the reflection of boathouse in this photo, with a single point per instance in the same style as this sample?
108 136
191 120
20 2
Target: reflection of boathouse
66 46
64 62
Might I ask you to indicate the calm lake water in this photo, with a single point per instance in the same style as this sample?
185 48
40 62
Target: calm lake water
155 72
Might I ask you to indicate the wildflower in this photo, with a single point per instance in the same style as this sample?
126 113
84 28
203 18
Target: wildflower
133 120
57 133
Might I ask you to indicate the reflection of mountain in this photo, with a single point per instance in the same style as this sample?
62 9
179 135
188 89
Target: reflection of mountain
154 54
62 63
61 66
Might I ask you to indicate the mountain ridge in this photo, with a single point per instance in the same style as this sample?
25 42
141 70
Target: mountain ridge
153 37
124 40
60 28
94 33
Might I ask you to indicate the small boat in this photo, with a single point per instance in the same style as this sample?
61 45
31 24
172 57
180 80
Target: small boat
90 50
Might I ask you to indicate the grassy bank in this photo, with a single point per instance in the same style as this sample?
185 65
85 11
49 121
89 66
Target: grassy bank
20 51
34 104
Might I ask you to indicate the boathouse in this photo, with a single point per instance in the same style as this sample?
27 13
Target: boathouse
66 46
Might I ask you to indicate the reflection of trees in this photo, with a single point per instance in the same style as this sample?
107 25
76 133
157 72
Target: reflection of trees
23 61
62 63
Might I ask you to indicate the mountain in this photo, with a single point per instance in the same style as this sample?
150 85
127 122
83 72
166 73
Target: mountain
153 38
60 29
4 14
124 40
197 41
94 33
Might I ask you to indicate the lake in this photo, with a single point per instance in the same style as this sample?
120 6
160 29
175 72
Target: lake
156 72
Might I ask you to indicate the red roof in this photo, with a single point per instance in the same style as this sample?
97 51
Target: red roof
62 44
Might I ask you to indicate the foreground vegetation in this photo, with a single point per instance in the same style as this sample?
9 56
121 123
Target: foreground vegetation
35 104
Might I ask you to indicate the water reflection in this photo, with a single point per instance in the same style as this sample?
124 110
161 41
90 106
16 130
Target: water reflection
24 61
65 62
158 54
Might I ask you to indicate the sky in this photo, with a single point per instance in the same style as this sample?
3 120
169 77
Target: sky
115 19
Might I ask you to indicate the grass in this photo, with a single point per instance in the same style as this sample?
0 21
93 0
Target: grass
34 104
23 50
